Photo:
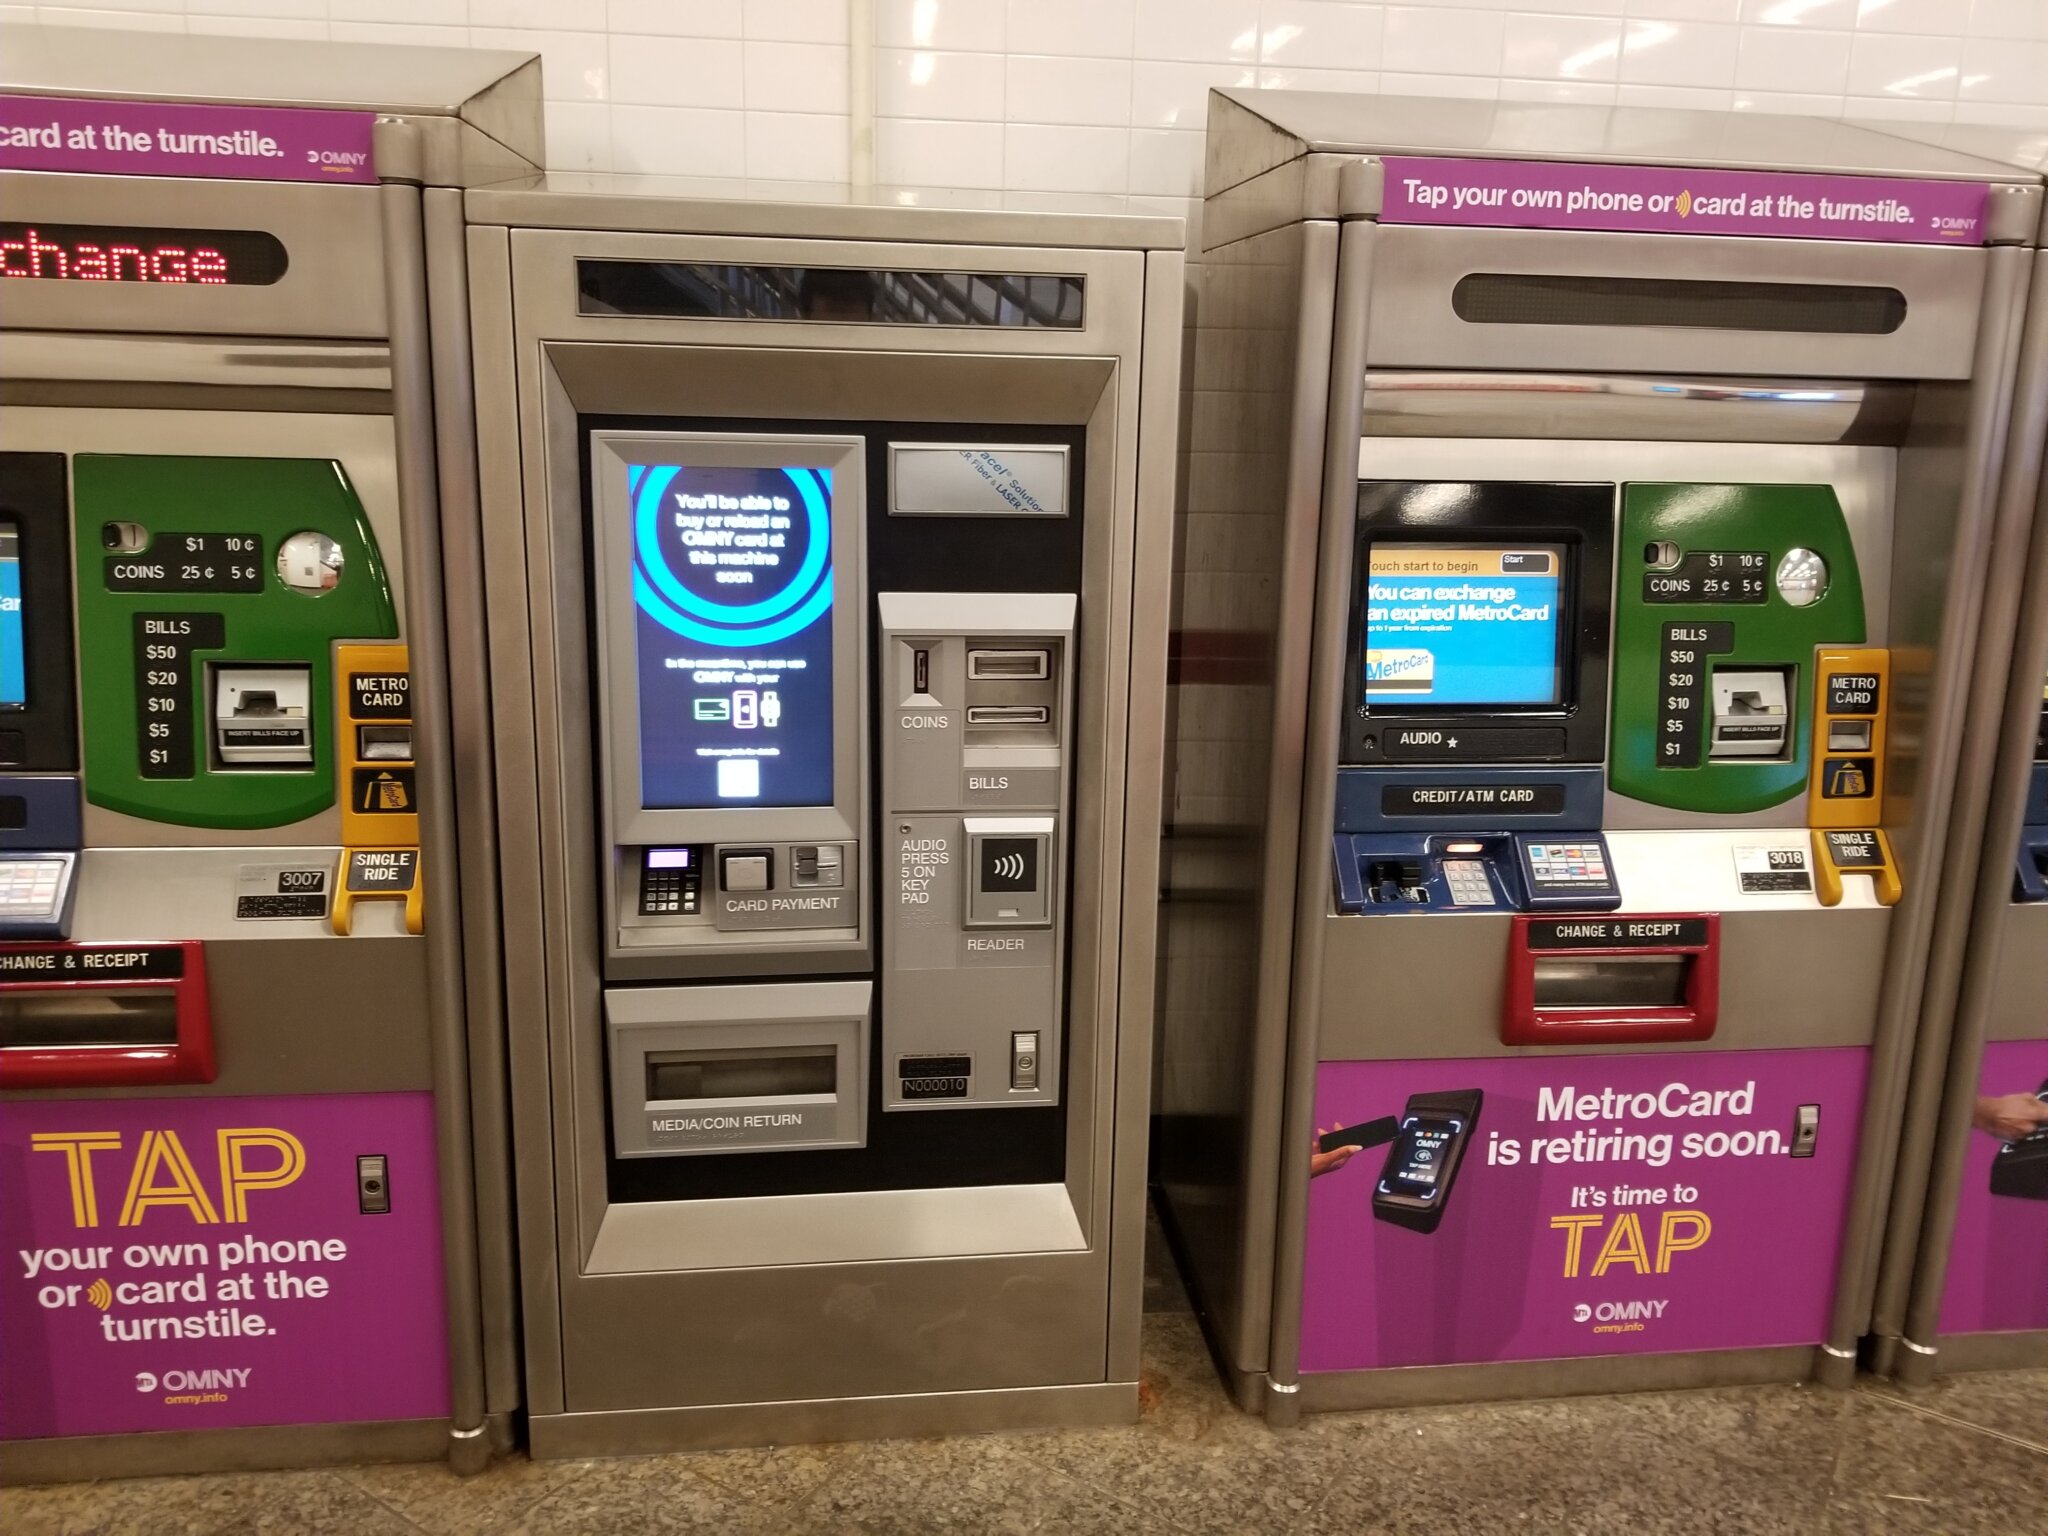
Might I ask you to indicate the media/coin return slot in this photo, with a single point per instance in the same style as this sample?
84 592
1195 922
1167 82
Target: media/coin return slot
1008 666
1008 714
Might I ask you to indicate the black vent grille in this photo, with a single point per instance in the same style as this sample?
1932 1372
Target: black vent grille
1821 309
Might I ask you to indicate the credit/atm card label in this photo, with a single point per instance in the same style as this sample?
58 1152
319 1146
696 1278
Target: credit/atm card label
1618 933
1772 871
1472 799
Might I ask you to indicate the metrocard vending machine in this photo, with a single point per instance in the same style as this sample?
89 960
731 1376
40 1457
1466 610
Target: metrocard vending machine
236 1191
845 533
1575 621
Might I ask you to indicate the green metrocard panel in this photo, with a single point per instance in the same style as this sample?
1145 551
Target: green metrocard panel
185 610
1705 637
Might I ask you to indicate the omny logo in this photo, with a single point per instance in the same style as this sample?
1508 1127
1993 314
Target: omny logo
211 1385
1010 866
1631 1314
1400 669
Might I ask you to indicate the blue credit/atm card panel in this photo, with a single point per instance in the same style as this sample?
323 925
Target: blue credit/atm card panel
1474 872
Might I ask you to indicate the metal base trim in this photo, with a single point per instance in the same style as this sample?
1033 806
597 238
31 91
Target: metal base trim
1430 1385
1993 1351
264 1448
732 1426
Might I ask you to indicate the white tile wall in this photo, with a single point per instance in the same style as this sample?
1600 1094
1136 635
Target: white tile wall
1107 96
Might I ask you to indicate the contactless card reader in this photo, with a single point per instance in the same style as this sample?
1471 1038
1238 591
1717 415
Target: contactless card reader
1415 1182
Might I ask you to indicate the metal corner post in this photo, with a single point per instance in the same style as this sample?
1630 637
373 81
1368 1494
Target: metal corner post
419 509
1925 957
2023 634
1319 783
475 804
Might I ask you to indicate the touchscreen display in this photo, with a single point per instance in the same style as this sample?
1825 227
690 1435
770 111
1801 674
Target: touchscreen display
1459 625
1415 1165
13 667
732 591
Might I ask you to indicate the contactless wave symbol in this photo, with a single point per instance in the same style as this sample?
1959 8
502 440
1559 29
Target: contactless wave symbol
1009 866
100 1294
667 596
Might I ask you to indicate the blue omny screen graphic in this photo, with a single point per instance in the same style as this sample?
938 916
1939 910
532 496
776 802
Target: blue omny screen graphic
13 667
732 591
1459 626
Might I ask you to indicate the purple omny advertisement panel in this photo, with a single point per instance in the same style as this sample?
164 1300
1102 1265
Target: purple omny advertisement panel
1678 200
181 1263
176 138
1998 1259
1528 1208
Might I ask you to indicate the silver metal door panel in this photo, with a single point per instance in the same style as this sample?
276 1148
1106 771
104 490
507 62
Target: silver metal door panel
1245 566
333 284
528 985
1414 326
364 447
830 1330
2019 992
867 1226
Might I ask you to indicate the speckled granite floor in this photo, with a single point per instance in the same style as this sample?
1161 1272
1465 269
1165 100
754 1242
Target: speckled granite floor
1969 1458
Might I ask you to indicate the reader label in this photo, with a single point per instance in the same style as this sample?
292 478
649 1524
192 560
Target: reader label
1618 933
1478 799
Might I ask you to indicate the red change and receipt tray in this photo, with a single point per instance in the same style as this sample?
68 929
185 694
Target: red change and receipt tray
104 1015
1605 978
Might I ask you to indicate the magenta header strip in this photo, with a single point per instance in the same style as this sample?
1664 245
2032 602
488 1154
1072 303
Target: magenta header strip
1677 200
173 138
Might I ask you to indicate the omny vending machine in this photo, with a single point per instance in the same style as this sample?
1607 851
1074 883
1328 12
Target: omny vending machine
236 1187
844 530
1964 1284
1583 520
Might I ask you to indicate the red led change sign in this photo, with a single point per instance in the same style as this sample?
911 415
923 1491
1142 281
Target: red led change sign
108 253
